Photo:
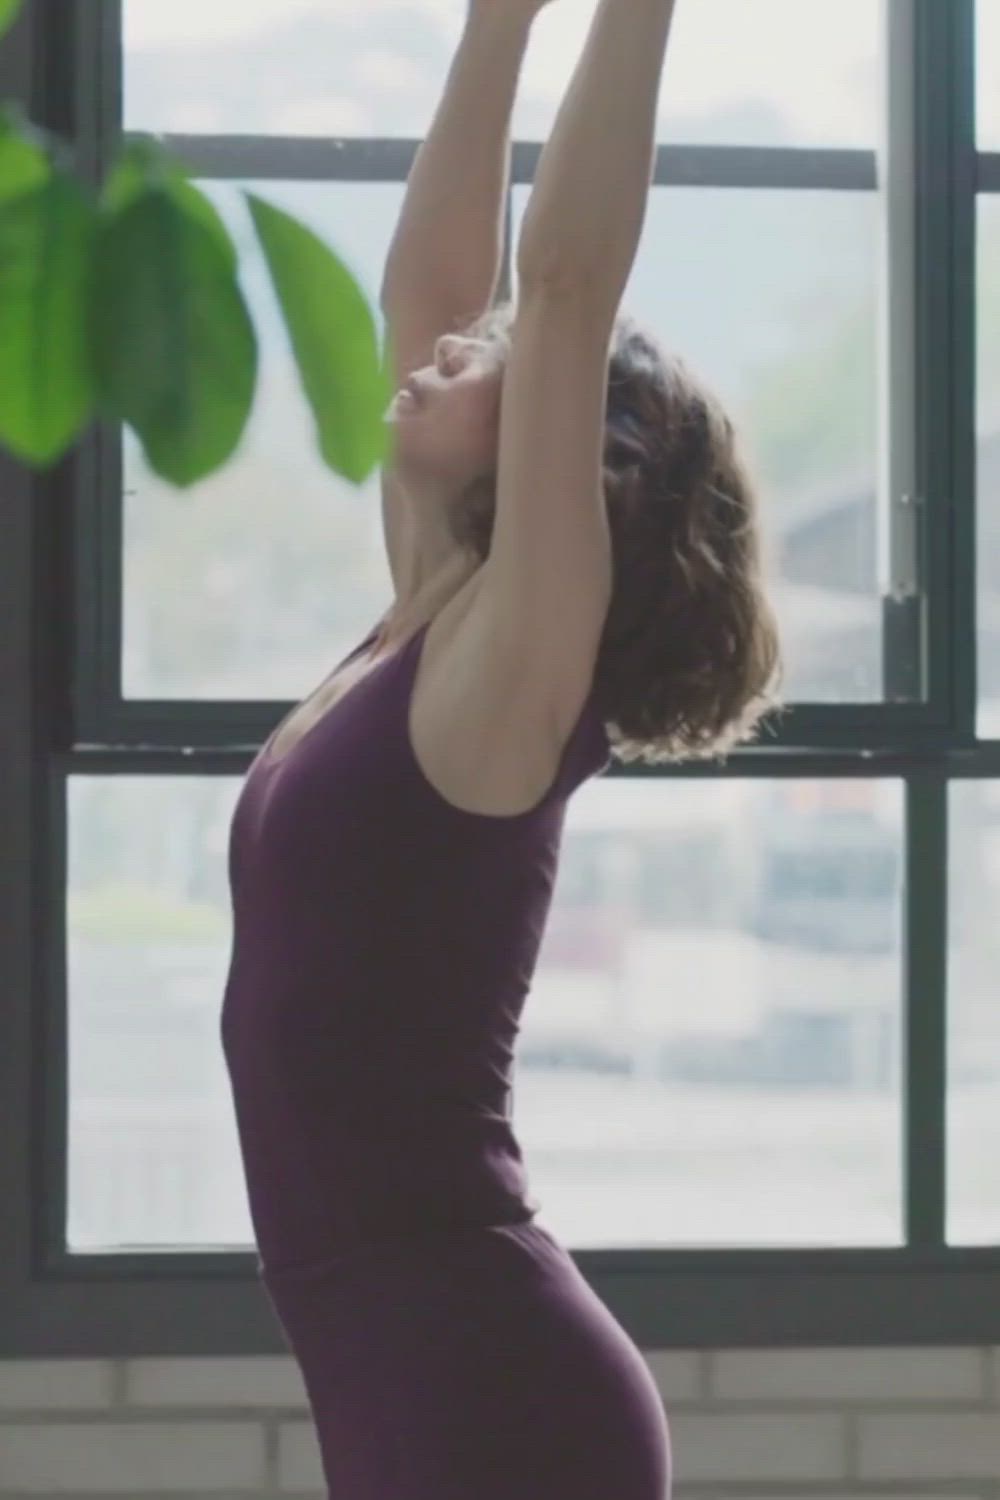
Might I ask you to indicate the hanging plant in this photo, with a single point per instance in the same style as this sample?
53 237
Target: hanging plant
124 302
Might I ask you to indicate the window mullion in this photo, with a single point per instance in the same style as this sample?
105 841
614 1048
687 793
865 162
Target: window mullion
925 939
84 101
945 170
900 498
962 286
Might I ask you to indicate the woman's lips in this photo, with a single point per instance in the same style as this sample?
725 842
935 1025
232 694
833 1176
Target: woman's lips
410 397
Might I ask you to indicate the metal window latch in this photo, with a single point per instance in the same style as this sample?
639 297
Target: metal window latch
903 605
904 547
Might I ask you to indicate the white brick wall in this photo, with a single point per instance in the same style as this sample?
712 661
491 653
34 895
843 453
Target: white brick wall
810 1424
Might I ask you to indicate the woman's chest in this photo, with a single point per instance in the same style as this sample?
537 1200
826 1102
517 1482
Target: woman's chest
308 713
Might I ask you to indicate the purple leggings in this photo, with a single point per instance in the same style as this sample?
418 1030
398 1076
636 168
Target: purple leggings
471 1365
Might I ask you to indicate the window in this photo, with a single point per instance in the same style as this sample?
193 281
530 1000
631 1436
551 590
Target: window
821 87
988 462
974 1019
756 1078
280 68
263 535
988 73
769 1117
786 332
306 68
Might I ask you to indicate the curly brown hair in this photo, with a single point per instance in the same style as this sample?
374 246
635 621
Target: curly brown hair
689 658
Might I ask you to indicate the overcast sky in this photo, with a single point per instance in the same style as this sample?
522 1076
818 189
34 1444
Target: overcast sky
815 60
822 73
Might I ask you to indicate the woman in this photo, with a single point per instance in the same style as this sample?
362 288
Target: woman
574 557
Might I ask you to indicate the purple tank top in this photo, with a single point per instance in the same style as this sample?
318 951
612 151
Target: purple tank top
384 942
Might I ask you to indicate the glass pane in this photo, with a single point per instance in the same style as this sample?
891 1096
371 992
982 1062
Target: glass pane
709 1054
255 582
287 67
988 73
973 1015
776 72
988 466
785 332
153 1150
770 73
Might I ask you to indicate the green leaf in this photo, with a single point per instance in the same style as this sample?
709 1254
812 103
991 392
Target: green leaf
174 347
334 340
46 262
8 14
24 162
144 164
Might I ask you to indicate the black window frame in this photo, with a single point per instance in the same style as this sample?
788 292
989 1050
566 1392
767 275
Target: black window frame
60 598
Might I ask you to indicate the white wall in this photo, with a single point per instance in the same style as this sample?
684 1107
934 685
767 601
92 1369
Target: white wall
815 1424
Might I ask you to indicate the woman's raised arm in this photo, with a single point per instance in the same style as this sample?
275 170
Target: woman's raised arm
587 208
448 244
445 256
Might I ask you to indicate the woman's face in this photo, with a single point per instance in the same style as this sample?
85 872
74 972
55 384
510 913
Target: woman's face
445 420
